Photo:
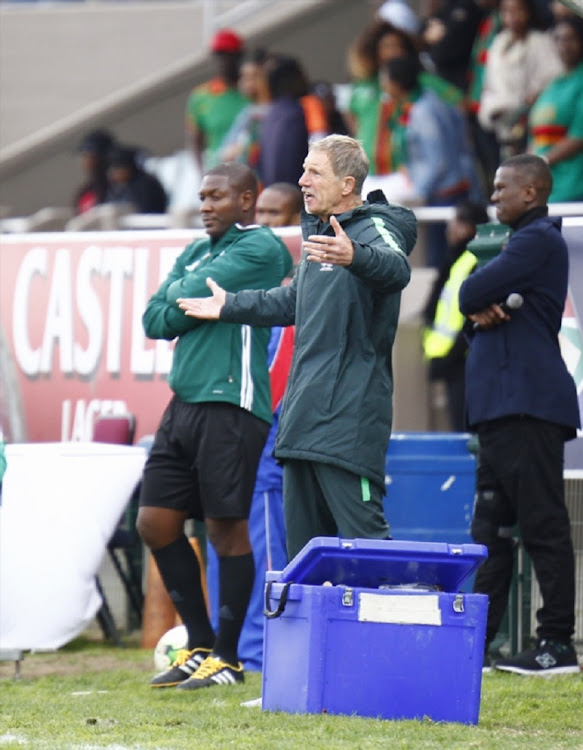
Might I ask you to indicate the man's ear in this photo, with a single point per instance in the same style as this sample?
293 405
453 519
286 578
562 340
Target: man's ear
248 200
530 193
348 184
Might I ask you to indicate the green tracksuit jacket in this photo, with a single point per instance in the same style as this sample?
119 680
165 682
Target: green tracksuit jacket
337 408
214 360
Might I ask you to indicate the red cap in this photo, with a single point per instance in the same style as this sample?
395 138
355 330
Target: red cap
226 41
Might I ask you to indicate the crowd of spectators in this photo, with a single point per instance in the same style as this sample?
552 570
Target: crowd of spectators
437 99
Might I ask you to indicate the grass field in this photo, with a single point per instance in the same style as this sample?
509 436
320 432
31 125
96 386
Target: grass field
93 696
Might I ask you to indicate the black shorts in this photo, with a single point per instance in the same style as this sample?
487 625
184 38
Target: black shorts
204 460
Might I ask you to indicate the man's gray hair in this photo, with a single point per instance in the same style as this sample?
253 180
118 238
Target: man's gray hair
347 157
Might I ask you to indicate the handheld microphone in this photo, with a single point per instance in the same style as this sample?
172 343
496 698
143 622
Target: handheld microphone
513 302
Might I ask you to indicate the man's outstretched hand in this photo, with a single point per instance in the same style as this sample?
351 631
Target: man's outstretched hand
323 248
208 308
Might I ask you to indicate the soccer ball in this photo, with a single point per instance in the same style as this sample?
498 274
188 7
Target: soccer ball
168 646
575 5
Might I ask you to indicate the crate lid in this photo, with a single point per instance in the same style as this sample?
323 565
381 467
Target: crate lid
370 563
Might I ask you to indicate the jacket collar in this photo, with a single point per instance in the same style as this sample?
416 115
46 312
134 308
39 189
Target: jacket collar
312 222
531 215
227 238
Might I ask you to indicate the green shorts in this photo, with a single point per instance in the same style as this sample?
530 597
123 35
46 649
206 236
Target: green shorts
324 500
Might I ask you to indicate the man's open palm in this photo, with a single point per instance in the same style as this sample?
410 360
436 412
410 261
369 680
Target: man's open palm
208 308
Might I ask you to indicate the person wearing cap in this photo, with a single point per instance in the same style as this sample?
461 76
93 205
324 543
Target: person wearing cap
400 15
93 152
212 107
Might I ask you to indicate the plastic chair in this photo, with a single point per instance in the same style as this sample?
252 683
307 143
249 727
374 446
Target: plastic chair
118 429
122 547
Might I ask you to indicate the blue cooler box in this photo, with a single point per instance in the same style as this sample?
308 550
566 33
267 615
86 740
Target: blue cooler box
375 628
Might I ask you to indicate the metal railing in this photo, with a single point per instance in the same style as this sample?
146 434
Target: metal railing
113 217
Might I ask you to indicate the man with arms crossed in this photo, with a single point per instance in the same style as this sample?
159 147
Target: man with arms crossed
522 402
206 450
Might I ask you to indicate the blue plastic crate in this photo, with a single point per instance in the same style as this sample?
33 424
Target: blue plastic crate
430 482
375 628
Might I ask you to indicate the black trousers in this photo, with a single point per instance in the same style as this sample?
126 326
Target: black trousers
520 480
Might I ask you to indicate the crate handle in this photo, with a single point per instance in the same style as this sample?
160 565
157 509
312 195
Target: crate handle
272 614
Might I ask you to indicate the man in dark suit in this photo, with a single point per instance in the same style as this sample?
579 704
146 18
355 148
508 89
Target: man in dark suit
523 405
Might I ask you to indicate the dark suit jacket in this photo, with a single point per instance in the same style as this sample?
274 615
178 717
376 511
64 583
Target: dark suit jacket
516 368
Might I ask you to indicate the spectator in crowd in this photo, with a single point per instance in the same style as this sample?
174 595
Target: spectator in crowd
212 108
130 183
522 403
370 109
448 36
335 122
556 118
444 341
205 453
522 61
242 140
314 112
484 141
94 151
344 301
400 15
283 141
279 205
430 144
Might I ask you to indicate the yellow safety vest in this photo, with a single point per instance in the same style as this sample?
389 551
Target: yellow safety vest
448 321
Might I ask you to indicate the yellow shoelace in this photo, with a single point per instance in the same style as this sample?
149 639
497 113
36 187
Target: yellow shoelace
208 668
182 657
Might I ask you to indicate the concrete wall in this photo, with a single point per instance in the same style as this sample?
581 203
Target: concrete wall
42 170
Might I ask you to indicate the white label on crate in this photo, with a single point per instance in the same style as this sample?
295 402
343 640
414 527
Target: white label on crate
400 609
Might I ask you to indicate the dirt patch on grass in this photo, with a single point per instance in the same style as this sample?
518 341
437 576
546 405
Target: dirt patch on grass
81 656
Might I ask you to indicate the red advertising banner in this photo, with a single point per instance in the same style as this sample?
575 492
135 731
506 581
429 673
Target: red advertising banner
71 340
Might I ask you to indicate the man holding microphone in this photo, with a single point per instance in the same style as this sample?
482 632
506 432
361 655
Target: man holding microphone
522 403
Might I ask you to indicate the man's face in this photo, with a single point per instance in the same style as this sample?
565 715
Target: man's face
515 16
274 209
221 206
457 231
119 175
321 189
510 195
251 79
390 46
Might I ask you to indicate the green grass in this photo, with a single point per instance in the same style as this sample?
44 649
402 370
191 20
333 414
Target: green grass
93 696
